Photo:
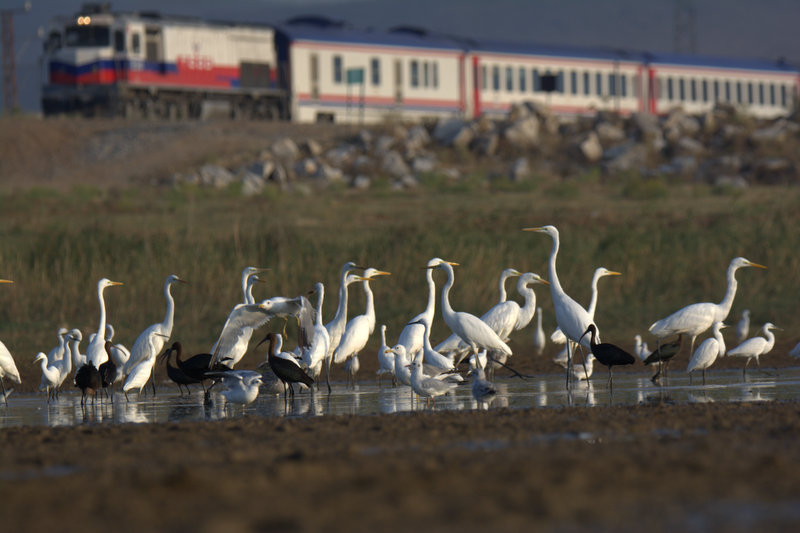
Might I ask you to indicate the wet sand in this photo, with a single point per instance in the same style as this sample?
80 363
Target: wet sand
651 467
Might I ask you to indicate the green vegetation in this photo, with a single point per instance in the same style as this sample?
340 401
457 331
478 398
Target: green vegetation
671 244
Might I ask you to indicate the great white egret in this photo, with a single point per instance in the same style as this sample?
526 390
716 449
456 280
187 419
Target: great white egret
50 376
608 354
429 355
151 341
498 314
755 347
7 367
471 329
425 386
336 326
696 318
385 359
558 336
250 278
314 355
572 318
539 339
708 351
359 328
743 326
411 335
96 350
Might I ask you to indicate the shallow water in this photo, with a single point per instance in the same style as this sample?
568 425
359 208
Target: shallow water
369 398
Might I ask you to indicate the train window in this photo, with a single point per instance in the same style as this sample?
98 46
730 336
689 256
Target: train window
93 35
750 98
537 81
337 69
681 89
612 84
623 85
484 77
136 43
670 90
522 80
739 99
573 82
426 75
693 88
716 91
496 78
772 94
761 99
728 91
783 96
375 67
119 41
598 84
314 66
435 73
509 79
587 89
704 90
414 73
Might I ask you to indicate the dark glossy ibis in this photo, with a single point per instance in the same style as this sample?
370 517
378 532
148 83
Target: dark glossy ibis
608 354
108 370
175 374
285 367
662 356
88 379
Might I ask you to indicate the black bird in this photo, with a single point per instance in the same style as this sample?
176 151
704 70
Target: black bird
288 371
88 379
608 354
196 366
662 356
176 374
108 370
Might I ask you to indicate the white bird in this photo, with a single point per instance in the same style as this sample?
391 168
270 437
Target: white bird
7 367
351 368
359 328
73 345
755 347
583 372
708 351
385 358
499 317
119 354
50 376
96 350
696 318
572 319
471 329
429 355
558 337
412 333
314 355
64 363
150 342
250 278
539 340
640 349
529 308
795 352
402 368
426 386
241 386
483 390
57 353
743 327
337 326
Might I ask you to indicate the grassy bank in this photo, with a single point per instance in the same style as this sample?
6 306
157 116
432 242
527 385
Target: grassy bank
672 245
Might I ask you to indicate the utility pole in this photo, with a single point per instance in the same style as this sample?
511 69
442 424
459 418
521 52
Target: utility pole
9 67
684 37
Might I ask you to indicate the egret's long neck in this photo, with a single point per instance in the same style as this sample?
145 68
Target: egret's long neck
447 310
75 352
526 311
341 310
555 284
502 288
248 292
539 319
724 307
101 328
426 338
430 309
169 316
370 312
720 340
770 339
383 336
593 301
320 299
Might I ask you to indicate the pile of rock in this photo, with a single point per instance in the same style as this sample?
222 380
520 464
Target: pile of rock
719 147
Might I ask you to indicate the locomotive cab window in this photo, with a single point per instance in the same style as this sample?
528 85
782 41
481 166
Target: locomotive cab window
136 43
119 40
88 36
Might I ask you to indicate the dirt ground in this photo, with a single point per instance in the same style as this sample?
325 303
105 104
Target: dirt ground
699 467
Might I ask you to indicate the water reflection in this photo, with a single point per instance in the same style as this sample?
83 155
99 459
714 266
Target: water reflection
368 399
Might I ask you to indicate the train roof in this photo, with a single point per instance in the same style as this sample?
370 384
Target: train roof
728 63
321 29
557 51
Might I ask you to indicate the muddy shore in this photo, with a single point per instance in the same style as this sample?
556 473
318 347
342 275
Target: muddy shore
699 467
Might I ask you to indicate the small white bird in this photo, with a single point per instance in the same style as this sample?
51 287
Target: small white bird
795 352
640 349
428 387
483 390
385 359
539 339
578 371
743 327
351 368
755 347
241 386
402 364
708 351
57 353
50 376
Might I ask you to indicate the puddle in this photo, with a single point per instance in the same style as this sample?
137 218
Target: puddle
370 399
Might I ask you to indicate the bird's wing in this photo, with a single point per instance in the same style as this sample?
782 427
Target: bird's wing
692 319
453 343
482 334
143 346
502 318
704 355
241 323
7 364
353 340
306 319
749 347
558 337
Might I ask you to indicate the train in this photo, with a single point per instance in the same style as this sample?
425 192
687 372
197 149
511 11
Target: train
312 69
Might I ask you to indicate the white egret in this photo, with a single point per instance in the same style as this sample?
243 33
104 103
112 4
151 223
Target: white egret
119 353
385 358
696 318
74 347
640 349
250 278
708 351
140 373
314 355
558 336
539 340
50 376
429 355
240 386
57 353
743 326
7 367
584 372
412 333
351 368
471 329
336 326
359 328
96 350
572 319
755 347
151 341
500 313
426 386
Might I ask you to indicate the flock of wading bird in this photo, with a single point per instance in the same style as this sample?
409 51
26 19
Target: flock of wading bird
412 361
